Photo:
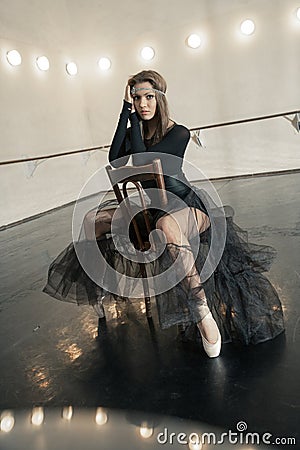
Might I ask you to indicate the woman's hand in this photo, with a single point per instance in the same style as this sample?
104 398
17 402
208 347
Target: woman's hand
128 97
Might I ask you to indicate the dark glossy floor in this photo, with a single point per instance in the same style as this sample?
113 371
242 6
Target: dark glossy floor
50 355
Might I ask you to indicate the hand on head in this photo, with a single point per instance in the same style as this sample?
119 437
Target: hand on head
128 96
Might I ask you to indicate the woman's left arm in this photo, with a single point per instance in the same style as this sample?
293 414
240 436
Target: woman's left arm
174 142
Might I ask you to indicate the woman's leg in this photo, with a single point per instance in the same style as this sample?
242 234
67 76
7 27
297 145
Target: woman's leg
178 229
98 225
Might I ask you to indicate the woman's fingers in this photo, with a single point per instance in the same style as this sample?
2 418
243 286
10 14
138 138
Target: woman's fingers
128 96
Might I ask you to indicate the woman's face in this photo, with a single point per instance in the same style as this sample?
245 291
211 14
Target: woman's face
144 100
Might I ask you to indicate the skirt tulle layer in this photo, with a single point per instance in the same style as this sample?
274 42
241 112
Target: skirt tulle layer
242 300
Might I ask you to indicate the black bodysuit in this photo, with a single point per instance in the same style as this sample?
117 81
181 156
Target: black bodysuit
128 141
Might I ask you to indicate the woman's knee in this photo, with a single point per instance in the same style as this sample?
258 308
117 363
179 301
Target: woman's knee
98 223
202 220
168 226
89 220
205 223
163 223
89 217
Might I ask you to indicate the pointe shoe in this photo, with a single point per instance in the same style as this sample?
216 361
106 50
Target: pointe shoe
212 350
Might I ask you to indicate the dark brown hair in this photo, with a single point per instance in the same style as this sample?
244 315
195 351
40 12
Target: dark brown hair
162 110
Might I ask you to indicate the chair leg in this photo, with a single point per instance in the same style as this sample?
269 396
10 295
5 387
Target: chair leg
102 328
146 291
99 308
147 298
148 307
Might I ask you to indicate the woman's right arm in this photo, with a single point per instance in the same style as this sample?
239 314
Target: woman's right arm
118 145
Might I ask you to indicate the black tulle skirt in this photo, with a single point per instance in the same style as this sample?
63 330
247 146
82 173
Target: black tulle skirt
242 300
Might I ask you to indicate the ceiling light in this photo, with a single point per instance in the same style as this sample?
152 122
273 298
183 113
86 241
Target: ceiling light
104 63
7 421
298 13
147 53
247 27
43 63
37 416
146 431
101 417
71 68
194 41
67 412
14 58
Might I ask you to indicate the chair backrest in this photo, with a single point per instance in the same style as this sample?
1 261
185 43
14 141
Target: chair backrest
135 175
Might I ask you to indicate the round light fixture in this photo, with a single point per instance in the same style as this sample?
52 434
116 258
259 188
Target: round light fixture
147 53
37 416
71 68
101 417
67 412
145 431
7 422
195 445
194 41
43 63
247 27
298 13
14 58
104 63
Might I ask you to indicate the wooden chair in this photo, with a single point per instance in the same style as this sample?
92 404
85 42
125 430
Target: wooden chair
135 175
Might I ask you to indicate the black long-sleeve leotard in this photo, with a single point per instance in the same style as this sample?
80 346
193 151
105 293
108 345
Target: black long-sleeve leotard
129 141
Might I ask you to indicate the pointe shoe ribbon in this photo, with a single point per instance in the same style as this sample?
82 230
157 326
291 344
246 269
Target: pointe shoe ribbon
212 350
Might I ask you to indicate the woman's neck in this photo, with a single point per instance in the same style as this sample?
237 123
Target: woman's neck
150 128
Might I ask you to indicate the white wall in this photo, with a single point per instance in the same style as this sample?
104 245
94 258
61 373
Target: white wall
230 77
